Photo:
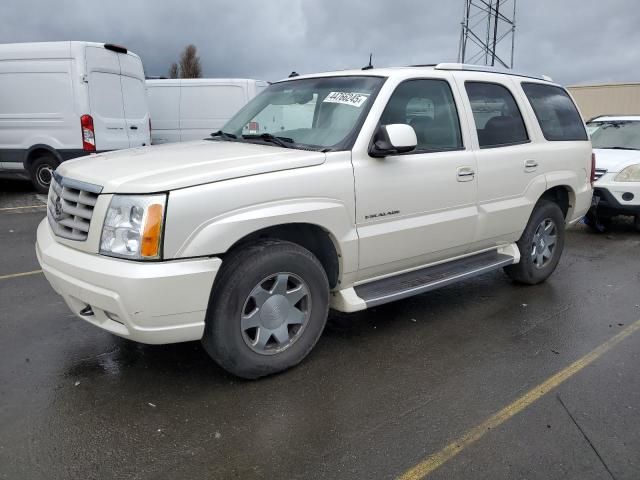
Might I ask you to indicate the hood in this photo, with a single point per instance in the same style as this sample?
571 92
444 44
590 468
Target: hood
166 167
615 160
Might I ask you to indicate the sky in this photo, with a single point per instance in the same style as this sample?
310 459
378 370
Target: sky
573 41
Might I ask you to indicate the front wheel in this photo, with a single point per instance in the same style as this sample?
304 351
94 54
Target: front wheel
540 245
267 310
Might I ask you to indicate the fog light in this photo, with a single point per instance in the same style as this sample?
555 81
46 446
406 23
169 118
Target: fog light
627 196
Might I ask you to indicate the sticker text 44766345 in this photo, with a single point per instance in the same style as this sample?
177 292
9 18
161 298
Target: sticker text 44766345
347 98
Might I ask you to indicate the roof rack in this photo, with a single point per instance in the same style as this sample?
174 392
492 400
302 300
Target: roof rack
488 69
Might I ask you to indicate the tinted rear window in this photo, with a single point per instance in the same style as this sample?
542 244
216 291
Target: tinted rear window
497 116
556 112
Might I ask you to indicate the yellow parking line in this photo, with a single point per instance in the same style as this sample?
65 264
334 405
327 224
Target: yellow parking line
23 274
21 208
436 460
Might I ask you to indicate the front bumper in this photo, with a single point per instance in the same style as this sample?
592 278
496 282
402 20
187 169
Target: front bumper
616 198
159 302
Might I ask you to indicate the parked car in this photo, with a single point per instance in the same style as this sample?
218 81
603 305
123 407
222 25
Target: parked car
388 190
61 100
616 142
192 109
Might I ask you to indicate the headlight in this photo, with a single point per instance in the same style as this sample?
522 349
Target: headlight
133 227
629 174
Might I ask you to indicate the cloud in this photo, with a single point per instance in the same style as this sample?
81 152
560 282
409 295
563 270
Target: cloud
574 41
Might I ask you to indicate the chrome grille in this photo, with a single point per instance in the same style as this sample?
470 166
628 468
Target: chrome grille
70 207
600 172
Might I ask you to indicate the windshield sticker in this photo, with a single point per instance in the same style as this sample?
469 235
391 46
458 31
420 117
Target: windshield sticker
347 98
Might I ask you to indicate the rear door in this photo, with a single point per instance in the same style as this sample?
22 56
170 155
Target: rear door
164 107
204 109
105 99
509 180
136 109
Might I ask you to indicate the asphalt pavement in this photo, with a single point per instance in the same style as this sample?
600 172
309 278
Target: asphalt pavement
407 384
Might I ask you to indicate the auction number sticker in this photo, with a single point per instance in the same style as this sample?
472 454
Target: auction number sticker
347 98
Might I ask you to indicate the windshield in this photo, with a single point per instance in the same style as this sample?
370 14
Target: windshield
619 134
317 113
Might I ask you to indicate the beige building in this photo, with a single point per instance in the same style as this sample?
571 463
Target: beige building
613 98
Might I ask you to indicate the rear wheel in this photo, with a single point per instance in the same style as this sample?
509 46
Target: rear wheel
267 310
42 170
637 223
540 245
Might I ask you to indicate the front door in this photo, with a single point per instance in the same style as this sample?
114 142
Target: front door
419 207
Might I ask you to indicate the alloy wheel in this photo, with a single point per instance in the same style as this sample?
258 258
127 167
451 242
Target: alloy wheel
275 313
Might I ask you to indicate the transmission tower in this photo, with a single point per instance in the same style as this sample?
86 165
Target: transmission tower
487 27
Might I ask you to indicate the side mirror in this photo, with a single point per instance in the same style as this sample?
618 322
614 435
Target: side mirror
393 139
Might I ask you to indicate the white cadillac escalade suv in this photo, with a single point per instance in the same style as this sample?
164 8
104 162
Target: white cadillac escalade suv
338 190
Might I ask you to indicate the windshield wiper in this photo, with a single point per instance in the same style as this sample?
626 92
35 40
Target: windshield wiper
224 135
284 142
618 148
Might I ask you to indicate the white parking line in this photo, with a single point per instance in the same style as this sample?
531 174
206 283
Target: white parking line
23 274
21 208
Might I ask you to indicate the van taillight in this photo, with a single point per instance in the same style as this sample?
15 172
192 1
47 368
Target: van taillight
88 133
593 169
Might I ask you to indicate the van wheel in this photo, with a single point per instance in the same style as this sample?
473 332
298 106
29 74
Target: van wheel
540 245
637 223
42 170
267 310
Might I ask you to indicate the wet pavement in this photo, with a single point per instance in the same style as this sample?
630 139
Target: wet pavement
383 389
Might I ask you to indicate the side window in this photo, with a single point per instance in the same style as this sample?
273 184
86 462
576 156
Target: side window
498 119
558 116
428 106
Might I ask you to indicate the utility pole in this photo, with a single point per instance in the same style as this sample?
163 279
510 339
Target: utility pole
488 27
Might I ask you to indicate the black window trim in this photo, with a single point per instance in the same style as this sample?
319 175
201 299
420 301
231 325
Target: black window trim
424 150
587 137
524 122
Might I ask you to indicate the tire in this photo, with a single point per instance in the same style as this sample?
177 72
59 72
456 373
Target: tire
597 223
535 266
637 223
42 170
247 328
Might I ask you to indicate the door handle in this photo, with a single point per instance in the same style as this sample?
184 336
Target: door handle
530 165
133 127
465 174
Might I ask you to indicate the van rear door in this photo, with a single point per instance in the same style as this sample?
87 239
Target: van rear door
105 99
204 108
136 109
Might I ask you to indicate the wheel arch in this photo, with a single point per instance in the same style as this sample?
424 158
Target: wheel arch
563 196
38 150
314 238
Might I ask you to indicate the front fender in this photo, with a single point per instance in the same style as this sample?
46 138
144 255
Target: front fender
218 234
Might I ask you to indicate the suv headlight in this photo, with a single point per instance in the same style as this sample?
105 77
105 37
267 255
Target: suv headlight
629 174
133 227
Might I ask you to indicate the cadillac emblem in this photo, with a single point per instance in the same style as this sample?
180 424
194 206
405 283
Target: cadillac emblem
57 208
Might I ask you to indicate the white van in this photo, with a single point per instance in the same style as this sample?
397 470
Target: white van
191 109
60 100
